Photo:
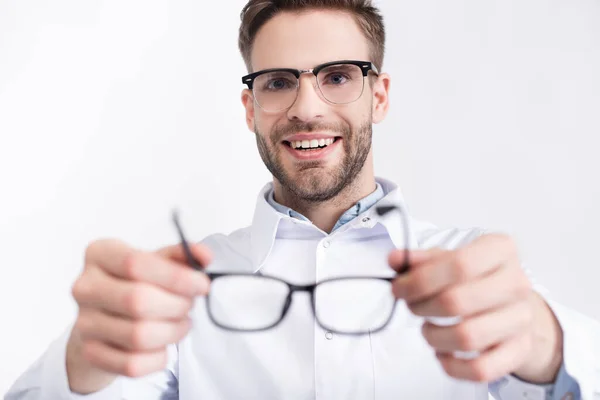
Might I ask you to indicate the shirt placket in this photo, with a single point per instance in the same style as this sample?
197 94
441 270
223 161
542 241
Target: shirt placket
322 351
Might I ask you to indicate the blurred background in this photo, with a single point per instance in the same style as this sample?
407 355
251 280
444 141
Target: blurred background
113 113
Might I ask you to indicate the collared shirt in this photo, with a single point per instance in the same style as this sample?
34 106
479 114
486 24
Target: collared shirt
563 384
298 359
361 206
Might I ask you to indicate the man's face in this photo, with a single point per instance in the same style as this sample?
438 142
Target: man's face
303 41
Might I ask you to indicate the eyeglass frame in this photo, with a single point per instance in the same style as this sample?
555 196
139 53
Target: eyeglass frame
191 260
365 67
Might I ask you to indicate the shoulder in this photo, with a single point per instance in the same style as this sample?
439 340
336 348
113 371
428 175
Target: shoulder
430 235
231 250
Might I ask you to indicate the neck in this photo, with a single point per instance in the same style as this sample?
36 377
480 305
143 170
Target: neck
325 214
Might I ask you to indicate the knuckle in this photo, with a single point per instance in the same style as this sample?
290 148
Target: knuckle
182 330
91 250
86 352
184 307
523 288
481 370
136 300
452 303
96 247
132 265
140 365
132 367
461 265
89 351
84 323
138 336
466 337
80 289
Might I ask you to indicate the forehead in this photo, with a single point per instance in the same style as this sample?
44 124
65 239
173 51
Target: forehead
303 40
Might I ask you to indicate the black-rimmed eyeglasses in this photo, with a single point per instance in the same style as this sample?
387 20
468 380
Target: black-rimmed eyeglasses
339 82
249 302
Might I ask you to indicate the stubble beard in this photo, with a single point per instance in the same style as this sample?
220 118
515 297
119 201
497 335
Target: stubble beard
312 182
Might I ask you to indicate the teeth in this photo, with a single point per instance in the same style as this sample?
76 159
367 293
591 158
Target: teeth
309 144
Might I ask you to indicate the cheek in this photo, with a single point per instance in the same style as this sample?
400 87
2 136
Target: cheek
358 112
264 122
355 120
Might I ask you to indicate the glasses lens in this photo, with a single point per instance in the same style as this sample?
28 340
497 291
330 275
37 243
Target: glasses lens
274 91
341 83
247 302
354 305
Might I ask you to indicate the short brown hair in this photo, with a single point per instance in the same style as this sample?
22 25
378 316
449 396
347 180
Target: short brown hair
257 12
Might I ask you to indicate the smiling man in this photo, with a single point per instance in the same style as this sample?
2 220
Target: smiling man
395 302
312 122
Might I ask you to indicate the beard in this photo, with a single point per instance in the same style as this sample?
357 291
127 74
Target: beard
310 181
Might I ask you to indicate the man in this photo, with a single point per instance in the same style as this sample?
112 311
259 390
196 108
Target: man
313 91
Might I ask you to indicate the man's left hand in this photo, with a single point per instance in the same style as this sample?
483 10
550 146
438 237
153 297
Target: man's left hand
500 316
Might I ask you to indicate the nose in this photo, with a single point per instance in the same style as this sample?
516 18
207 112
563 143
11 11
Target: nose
309 105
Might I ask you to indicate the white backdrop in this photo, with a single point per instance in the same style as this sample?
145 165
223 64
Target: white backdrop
111 113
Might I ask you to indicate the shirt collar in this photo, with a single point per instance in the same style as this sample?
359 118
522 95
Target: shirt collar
266 219
361 206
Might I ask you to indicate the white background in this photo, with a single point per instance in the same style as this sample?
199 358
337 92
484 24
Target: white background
111 113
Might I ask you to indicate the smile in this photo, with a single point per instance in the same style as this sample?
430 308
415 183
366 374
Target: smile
308 145
312 149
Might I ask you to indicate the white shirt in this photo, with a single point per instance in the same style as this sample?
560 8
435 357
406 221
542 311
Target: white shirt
299 360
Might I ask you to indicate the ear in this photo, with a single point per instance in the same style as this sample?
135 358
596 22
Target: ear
381 91
248 102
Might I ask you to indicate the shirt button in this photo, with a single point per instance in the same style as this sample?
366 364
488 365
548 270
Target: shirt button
366 219
568 396
328 335
326 243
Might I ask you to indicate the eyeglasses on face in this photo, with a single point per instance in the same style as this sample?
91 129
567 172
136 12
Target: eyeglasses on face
339 82
252 302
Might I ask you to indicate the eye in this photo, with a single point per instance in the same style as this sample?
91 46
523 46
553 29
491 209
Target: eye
279 84
339 75
336 78
276 82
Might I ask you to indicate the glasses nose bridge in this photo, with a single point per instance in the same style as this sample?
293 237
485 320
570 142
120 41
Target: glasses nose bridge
303 72
301 288
306 71
314 84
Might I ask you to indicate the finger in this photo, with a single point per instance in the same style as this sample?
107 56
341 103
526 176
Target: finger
121 362
121 261
488 250
126 334
490 365
480 332
137 300
396 258
200 252
503 286
169 275
481 257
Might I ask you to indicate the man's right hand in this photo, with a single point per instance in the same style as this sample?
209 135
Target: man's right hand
132 304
